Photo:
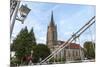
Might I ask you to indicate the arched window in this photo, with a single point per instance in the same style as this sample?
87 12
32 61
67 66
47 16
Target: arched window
69 54
73 53
76 53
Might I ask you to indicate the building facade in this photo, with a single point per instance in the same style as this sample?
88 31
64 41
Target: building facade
69 53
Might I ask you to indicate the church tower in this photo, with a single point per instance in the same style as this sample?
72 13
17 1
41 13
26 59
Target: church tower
52 34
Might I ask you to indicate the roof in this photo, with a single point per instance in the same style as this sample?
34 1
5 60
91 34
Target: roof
71 46
74 46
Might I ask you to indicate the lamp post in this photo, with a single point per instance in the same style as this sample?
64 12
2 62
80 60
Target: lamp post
24 11
13 17
30 62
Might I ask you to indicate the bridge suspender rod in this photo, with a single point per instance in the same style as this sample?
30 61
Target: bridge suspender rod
85 24
86 28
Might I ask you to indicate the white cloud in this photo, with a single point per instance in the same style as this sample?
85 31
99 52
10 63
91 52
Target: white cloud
42 40
68 33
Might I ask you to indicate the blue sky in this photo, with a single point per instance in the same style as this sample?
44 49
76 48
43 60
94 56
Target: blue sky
68 18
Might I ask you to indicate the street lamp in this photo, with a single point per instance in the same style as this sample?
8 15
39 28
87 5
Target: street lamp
31 52
23 11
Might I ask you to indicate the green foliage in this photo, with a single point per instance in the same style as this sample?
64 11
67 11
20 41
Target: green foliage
89 50
23 43
40 51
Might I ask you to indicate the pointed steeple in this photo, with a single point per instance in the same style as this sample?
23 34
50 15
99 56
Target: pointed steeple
52 33
52 20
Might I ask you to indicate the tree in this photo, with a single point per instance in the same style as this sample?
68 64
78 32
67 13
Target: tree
40 52
32 37
22 45
89 50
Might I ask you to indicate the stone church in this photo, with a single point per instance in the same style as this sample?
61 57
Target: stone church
72 52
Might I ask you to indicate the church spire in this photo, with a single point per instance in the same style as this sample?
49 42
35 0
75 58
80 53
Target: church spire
52 20
52 34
